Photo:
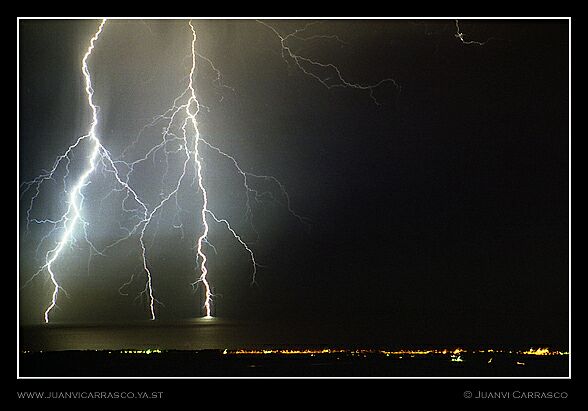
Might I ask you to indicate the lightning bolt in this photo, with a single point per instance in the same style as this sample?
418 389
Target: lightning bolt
185 110
189 110
73 215
461 37
183 115
313 68
204 210
180 128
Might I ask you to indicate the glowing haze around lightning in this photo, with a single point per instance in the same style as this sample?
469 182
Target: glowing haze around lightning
180 128
75 200
73 216
75 195
185 109
192 116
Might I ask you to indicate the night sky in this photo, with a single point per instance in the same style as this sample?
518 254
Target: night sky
440 214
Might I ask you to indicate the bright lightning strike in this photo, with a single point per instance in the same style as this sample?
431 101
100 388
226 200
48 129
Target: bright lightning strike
76 198
181 137
192 116
181 127
72 215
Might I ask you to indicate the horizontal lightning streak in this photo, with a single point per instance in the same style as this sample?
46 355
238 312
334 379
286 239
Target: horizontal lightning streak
301 61
461 37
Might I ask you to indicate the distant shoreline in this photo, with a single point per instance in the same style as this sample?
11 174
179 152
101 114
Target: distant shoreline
325 362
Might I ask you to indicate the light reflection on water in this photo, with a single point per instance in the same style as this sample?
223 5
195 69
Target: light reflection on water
192 334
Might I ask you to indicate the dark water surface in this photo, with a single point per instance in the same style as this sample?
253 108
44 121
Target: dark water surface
199 334
219 333
202 347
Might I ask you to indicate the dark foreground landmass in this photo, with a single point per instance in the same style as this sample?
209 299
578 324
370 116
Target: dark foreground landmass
293 363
